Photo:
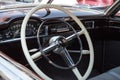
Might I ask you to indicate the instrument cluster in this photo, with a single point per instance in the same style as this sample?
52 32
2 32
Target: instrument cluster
13 31
47 29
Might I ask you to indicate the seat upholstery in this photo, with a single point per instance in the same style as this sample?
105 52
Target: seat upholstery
113 74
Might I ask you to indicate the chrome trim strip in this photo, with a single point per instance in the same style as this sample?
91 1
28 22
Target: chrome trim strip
10 71
15 39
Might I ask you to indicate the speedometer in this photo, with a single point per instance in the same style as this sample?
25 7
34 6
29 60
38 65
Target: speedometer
30 31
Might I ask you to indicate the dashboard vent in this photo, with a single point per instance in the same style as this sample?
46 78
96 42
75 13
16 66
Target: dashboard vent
89 24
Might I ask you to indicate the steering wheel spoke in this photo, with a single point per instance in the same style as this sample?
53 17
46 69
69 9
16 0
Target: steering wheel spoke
84 52
44 51
77 73
67 58
69 38
33 50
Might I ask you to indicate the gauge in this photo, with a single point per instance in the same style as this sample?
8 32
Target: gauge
31 30
14 29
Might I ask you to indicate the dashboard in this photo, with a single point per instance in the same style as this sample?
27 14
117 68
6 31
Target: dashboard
47 27
53 23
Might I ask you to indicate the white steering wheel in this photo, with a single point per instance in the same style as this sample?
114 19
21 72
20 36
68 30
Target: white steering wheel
30 58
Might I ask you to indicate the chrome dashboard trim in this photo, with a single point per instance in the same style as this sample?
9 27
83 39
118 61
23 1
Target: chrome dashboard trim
8 71
17 39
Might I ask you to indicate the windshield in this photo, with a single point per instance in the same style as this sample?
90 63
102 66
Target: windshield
78 3
101 3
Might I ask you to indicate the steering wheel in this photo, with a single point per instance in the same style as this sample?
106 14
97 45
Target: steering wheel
57 41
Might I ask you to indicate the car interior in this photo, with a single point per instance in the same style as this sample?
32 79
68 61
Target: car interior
58 43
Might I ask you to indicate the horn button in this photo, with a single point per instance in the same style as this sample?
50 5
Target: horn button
61 41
